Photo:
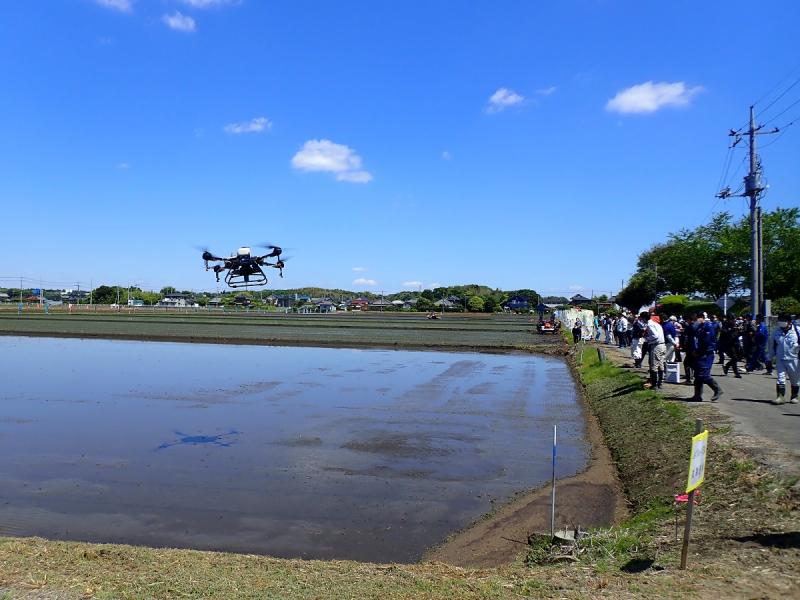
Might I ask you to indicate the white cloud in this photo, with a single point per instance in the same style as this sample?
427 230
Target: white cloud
412 284
123 166
648 97
546 91
125 6
432 285
256 125
206 3
446 155
359 269
355 176
502 99
327 157
179 22
363 281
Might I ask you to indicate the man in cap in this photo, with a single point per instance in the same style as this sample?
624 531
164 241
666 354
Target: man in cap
784 349
656 351
703 347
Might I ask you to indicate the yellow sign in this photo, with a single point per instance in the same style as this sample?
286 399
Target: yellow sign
697 464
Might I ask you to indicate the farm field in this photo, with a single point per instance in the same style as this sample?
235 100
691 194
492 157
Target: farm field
483 332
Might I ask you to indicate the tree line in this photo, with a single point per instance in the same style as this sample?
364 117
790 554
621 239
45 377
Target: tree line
714 259
464 298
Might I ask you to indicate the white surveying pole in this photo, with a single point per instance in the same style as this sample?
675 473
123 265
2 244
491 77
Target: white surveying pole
553 499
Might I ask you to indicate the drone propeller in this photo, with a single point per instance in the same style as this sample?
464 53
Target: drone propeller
275 250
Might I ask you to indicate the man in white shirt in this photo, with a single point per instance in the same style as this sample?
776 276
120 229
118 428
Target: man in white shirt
656 351
622 331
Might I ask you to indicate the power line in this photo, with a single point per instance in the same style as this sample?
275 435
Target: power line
780 135
784 111
777 85
786 91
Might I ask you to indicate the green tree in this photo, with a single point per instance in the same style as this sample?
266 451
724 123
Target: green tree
105 294
168 290
424 304
476 304
714 258
639 292
149 298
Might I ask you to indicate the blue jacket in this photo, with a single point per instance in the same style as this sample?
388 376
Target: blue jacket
704 340
762 334
670 332
716 325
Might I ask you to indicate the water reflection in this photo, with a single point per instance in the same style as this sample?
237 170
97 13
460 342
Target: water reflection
196 440
367 454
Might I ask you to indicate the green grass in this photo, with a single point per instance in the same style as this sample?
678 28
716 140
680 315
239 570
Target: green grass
649 437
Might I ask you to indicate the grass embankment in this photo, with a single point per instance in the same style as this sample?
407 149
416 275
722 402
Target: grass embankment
747 519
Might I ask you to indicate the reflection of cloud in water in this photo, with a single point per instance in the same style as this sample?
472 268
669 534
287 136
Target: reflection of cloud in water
208 396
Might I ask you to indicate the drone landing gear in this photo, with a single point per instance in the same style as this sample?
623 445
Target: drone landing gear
236 280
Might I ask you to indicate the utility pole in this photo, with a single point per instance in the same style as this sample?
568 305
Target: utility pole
753 189
655 295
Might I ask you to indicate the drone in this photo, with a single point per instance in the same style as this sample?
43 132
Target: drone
244 269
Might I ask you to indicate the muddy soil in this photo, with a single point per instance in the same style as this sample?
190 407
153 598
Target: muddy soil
591 498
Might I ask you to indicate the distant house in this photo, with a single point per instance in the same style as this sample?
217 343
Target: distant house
242 300
74 296
215 302
326 306
284 301
359 304
135 302
445 304
380 304
176 300
410 303
307 309
579 300
4 297
517 304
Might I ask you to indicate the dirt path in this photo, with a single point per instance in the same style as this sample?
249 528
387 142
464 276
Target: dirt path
591 498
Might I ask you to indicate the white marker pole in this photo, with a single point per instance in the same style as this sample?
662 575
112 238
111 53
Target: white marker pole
553 501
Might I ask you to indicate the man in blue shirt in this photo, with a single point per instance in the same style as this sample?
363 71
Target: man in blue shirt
717 325
759 352
703 346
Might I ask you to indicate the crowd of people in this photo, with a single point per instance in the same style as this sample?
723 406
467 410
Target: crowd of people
699 339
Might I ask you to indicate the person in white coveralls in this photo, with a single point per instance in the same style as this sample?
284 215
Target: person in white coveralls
784 348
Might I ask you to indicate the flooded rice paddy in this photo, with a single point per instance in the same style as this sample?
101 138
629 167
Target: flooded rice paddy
292 452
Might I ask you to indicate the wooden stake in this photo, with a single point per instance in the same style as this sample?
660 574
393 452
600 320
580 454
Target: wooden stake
698 428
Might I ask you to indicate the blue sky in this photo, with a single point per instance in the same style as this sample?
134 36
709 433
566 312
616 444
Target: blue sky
388 144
